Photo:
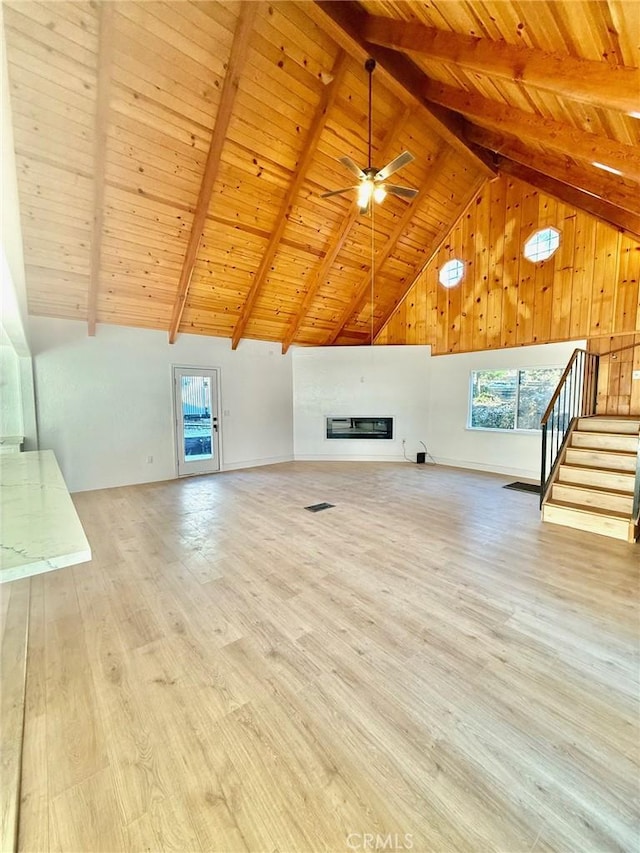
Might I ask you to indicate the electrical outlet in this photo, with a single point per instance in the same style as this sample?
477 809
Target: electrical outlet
149 460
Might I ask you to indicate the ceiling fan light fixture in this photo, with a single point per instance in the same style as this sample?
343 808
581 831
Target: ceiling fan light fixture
379 194
365 191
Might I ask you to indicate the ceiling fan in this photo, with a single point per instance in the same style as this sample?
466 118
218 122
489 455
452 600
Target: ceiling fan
372 186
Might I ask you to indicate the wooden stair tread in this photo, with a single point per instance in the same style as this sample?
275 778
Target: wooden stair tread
604 421
625 418
591 432
598 489
590 510
631 453
578 467
599 449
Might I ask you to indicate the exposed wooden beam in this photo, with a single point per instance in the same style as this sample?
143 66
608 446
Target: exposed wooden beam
389 246
105 54
307 154
545 131
618 191
593 82
628 223
438 240
337 242
344 22
237 59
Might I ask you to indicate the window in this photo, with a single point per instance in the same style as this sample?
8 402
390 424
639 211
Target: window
511 399
541 245
451 273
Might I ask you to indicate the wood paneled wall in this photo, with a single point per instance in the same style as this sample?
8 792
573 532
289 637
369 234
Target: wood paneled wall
618 392
589 288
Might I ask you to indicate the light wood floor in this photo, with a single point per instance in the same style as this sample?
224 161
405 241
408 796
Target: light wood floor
426 660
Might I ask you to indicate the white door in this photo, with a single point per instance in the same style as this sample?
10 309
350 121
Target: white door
195 394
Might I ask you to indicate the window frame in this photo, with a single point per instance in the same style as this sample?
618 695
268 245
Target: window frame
532 235
503 431
462 273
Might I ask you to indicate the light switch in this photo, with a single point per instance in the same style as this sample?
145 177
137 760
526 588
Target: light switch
636 374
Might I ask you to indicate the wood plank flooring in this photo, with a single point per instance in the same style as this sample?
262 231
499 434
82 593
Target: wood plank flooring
426 666
14 625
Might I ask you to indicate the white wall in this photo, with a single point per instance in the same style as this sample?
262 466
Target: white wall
359 382
19 407
13 294
452 443
428 397
17 399
10 395
104 404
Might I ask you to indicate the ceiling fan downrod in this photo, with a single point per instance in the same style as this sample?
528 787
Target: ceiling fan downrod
369 67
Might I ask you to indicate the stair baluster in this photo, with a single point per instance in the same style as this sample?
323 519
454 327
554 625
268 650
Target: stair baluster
574 397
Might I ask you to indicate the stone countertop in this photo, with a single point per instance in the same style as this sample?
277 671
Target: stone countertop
39 526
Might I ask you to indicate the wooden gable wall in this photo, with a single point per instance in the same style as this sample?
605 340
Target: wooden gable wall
618 392
588 289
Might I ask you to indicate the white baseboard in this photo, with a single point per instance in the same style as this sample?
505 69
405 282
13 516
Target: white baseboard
255 463
523 473
333 457
166 476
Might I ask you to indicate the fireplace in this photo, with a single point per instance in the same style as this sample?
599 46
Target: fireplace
369 428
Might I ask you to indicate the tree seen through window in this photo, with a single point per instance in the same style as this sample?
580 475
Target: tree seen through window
511 399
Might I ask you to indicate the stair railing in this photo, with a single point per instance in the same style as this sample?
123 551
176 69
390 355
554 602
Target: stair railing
620 349
575 397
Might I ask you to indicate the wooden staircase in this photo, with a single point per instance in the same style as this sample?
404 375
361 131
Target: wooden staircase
593 485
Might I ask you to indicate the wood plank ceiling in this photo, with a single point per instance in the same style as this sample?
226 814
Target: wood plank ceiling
171 155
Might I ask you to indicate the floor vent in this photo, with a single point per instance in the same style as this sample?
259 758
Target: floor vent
319 507
523 487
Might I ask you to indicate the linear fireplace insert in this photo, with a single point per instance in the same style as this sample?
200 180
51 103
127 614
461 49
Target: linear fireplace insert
360 428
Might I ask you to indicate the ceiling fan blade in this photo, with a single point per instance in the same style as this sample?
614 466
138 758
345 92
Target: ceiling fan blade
400 161
351 166
337 192
403 192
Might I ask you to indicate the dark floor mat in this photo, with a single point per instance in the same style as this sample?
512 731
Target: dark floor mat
523 487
